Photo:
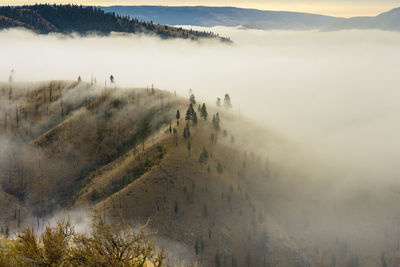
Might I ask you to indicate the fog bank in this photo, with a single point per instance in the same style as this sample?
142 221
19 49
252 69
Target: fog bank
335 94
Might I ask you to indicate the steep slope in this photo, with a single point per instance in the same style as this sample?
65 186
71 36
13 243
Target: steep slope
254 200
224 16
192 203
56 133
69 19
76 145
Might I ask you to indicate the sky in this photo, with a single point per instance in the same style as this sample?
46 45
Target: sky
340 8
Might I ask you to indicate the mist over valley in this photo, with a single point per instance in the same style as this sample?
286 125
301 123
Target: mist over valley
298 168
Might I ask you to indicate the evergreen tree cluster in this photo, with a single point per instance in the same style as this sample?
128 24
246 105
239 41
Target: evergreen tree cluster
227 101
66 19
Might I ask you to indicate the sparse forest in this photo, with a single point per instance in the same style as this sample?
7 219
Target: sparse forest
193 172
75 144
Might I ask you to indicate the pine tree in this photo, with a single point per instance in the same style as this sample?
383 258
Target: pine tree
176 136
203 157
215 121
189 113
192 99
178 116
218 102
194 117
204 113
227 101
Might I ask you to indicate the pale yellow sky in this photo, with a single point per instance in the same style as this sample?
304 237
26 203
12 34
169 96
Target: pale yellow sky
342 8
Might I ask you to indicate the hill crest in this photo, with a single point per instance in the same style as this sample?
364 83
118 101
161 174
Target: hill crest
67 19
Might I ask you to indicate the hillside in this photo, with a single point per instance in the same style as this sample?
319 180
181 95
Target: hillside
67 19
224 16
75 145
389 21
230 193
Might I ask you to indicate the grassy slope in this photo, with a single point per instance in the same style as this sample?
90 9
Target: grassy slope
177 180
91 153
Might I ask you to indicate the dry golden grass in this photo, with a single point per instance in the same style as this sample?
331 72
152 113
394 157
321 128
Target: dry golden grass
106 245
245 212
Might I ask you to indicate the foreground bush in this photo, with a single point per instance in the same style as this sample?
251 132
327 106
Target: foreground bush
106 245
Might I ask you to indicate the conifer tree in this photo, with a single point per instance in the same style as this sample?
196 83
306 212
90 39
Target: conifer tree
189 113
178 116
192 99
176 136
218 102
227 101
215 121
204 113
194 117
203 157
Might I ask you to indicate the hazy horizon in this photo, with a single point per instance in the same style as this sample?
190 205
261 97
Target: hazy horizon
338 8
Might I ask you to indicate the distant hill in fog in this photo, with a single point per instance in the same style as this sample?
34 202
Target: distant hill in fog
224 16
68 19
389 21
253 18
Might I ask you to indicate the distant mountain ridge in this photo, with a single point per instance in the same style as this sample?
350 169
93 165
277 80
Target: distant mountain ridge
68 19
252 18
224 16
386 21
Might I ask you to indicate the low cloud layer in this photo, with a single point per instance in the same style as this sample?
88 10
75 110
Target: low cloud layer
335 94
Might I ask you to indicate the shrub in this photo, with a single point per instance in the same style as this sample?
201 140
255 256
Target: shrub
117 245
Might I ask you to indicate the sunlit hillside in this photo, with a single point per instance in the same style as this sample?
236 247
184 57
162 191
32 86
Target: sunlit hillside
216 189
